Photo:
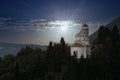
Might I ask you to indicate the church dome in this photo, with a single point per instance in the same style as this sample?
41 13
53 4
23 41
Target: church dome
85 26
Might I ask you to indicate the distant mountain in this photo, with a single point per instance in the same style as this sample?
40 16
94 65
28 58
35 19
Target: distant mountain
12 48
110 25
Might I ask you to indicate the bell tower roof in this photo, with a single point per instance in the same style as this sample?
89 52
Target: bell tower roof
85 25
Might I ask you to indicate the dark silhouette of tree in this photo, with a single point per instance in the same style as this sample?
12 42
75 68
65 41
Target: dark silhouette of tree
62 42
115 35
104 35
17 71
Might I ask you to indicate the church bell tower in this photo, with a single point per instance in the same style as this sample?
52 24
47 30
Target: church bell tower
83 35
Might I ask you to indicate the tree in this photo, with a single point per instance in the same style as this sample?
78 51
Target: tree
17 71
62 42
104 35
115 35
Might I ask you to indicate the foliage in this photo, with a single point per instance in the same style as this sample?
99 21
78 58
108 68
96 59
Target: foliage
57 64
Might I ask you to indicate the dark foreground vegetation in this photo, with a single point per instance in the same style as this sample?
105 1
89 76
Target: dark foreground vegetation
57 64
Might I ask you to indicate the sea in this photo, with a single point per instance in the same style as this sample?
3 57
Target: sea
12 48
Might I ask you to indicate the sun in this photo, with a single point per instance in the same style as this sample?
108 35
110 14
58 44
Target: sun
64 25
63 28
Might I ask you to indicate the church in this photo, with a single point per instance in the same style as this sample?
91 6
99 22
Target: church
81 46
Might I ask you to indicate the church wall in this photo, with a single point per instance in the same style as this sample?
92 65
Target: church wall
79 51
77 38
81 38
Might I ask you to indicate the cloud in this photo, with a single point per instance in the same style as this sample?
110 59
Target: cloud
58 23
33 25
4 19
21 25
37 24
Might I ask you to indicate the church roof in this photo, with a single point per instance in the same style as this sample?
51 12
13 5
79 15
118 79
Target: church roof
80 44
77 44
81 34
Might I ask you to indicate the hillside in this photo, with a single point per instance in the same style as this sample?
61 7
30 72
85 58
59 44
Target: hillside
115 21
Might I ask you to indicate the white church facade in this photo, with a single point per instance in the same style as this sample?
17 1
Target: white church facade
81 46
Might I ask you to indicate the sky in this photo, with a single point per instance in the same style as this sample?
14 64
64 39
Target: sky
42 21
